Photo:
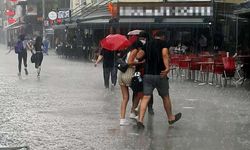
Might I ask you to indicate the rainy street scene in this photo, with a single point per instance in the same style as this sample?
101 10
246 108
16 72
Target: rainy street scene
124 75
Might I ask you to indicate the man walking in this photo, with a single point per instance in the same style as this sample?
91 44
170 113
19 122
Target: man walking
109 68
156 71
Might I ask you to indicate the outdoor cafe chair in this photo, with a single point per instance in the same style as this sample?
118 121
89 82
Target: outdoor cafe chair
174 64
218 70
229 68
206 66
184 65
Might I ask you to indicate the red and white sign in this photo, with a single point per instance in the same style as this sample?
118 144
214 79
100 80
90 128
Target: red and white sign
10 12
52 15
11 20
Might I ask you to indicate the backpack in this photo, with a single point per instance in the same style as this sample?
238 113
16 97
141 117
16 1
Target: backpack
19 47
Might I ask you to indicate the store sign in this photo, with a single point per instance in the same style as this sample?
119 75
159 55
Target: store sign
10 12
161 11
52 15
11 20
63 14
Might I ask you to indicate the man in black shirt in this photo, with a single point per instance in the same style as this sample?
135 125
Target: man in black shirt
156 70
109 69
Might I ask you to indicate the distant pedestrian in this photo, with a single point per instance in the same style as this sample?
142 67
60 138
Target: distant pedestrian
109 69
203 43
38 46
46 46
156 71
21 51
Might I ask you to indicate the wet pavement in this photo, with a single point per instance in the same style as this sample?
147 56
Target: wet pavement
69 109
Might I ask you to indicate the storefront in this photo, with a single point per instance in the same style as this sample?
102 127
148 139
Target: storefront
243 27
184 21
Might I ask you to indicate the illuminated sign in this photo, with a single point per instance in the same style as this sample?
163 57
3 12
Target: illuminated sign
11 20
63 14
52 15
186 11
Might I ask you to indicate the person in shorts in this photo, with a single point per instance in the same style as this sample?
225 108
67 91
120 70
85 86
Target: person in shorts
157 68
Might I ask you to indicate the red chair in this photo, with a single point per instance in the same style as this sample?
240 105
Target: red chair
174 63
204 53
222 53
218 69
195 67
205 67
183 65
229 68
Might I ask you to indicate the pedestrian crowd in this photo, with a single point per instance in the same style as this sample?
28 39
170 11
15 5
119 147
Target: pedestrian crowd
146 68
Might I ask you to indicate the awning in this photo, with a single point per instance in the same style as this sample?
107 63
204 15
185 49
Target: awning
244 12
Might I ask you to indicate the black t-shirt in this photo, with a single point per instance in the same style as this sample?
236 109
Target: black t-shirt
153 56
109 58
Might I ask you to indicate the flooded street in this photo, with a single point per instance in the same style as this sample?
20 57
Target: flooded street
68 108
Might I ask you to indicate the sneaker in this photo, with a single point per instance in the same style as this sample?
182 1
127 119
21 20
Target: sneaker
19 73
133 116
26 71
124 122
140 125
177 117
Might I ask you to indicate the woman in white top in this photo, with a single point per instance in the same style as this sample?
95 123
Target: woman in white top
124 79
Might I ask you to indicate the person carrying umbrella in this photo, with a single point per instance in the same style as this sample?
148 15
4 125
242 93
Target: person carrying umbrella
109 69
110 45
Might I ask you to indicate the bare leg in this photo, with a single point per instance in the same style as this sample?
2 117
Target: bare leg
125 98
168 107
144 105
136 99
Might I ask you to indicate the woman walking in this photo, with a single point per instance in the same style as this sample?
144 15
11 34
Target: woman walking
124 79
21 50
38 46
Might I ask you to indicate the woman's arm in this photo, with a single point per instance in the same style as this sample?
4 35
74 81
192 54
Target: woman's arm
132 58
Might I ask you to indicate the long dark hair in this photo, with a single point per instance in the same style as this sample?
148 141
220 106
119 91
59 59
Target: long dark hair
38 43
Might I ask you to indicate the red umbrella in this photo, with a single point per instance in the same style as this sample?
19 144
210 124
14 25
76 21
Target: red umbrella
114 42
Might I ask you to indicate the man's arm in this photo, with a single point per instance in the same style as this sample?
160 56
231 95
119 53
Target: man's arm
165 56
100 57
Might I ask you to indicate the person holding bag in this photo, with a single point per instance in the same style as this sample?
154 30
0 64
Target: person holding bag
21 51
124 79
38 46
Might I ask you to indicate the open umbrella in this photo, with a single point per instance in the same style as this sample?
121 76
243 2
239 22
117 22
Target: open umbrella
135 32
114 42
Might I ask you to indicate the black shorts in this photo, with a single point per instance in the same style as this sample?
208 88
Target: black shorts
150 82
